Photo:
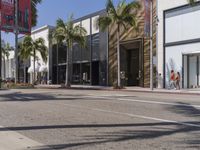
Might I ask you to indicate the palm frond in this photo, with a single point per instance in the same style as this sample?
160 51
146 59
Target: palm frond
104 22
110 8
130 7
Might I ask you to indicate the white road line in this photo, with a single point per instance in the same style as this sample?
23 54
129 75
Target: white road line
11 140
135 116
144 101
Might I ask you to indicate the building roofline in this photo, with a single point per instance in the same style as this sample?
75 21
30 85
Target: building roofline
41 29
90 15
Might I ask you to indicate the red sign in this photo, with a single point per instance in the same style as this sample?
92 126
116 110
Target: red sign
7 8
7 15
24 16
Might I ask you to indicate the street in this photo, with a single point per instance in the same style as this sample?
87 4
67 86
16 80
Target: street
45 119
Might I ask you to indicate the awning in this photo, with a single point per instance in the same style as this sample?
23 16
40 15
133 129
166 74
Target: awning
30 69
192 53
43 68
37 67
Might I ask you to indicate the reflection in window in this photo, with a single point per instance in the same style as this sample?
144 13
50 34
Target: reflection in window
95 47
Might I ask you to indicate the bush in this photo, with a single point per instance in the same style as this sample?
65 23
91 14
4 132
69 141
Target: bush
11 85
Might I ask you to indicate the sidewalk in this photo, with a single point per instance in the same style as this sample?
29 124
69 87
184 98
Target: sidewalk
127 89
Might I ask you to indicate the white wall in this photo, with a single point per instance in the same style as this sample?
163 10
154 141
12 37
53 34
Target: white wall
42 32
162 6
174 58
86 25
183 27
178 28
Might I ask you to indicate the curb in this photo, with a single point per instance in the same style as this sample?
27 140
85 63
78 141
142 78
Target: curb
121 90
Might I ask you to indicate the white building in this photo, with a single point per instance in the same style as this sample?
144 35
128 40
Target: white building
8 67
40 65
42 69
178 45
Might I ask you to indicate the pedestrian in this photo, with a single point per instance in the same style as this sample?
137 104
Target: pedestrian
172 80
178 78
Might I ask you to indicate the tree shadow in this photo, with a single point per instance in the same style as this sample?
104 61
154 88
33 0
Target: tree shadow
185 109
27 97
135 131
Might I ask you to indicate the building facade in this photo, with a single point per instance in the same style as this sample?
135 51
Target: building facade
176 46
89 63
179 42
96 64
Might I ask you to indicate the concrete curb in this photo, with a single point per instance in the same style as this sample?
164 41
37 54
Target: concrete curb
124 90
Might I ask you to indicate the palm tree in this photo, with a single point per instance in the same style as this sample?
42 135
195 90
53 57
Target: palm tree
30 47
24 56
121 16
5 52
69 33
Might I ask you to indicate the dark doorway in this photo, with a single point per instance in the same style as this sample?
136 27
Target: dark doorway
131 59
133 67
95 73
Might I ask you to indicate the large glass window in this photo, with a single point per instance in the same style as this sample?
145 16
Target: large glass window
76 53
95 47
76 77
62 54
86 51
54 51
86 73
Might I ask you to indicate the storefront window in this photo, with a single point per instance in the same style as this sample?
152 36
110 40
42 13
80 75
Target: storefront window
95 47
86 73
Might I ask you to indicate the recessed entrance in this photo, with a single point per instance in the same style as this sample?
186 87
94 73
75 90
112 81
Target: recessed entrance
131 58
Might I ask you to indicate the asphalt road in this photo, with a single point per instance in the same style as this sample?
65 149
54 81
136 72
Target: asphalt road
42 119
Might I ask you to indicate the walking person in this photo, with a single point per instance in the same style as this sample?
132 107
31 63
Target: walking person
172 80
178 78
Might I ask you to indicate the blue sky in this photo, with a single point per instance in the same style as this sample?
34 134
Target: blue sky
50 10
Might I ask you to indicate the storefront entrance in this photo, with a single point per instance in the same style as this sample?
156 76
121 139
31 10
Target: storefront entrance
191 70
133 67
132 63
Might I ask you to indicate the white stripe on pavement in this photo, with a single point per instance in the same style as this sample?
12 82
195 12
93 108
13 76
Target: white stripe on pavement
11 140
144 101
135 115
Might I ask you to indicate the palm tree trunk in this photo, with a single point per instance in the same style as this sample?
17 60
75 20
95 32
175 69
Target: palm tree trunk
34 67
67 69
4 68
24 73
118 57
57 62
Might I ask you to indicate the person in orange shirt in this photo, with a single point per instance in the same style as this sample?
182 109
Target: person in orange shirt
172 80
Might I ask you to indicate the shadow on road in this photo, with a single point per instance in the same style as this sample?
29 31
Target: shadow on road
27 97
185 109
142 131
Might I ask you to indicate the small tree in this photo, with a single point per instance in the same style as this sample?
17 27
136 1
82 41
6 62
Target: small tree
30 47
121 16
69 33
